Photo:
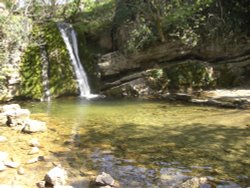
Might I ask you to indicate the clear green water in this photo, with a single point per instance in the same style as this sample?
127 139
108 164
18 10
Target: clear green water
148 144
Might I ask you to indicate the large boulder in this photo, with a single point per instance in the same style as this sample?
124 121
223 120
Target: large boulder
14 114
3 119
8 107
17 117
33 126
57 176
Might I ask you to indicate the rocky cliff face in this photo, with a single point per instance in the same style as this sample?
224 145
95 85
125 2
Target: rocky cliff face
14 31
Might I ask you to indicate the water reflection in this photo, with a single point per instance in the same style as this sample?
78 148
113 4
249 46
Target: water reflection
150 144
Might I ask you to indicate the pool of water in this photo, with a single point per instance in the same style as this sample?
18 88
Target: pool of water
148 143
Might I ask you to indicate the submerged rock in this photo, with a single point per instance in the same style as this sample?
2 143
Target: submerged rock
3 139
3 156
12 164
195 182
33 151
105 180
34 142
33 160
32 126
21 171
2 166
57 176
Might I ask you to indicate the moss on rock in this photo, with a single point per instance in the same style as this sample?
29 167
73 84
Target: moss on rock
61 76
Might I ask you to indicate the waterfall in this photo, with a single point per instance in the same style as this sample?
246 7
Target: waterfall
70 40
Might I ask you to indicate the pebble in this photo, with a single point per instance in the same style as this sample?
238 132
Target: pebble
3 156
12 164
33 151
41 184
20 171
34 160
3 139
2 166
34 142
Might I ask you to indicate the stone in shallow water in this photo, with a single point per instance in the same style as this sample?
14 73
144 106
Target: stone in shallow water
3 156
2 166
33 160
57 176
33 150
21 171
32 126
194 182
104 179
3 139
34 142
12 164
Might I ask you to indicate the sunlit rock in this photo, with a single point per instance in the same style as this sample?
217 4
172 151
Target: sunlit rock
32 126
2 167
8 107
3 156
3 139
33 150
12 164
17 117
57 176
3 119
194 182
105 180
33 160
34 142
21 171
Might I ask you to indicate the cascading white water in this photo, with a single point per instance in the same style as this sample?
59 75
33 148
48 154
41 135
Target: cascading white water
69 37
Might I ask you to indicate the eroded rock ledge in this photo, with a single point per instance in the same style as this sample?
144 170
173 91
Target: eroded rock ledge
133 75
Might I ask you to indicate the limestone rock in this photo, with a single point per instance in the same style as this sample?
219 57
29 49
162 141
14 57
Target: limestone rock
32 126
3 139
104 179
34 142
33 150
41 184
20 171
2 166
3 119
10 107
33 160
194 182
57 176
17 117
3 156
12 164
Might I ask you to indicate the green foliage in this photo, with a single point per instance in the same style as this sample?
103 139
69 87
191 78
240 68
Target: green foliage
96 16
61 77
140 37
190 75
31 71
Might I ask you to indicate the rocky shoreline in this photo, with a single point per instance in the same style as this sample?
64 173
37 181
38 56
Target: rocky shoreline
239 99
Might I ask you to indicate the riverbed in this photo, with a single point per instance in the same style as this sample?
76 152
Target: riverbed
140 143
